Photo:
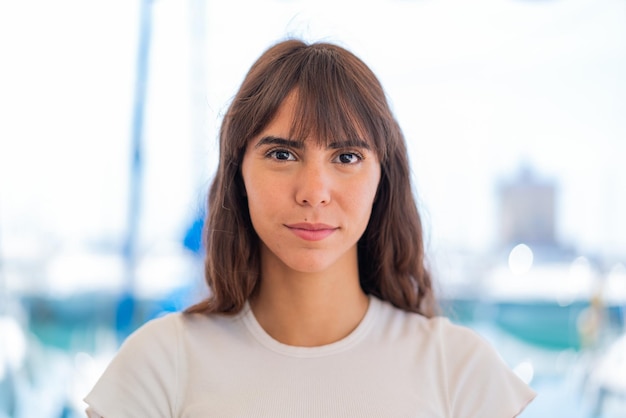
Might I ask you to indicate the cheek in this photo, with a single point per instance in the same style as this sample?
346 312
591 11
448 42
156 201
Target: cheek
360 196
254 196
263 195
370 187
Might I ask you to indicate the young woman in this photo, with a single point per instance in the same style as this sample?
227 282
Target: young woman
320 305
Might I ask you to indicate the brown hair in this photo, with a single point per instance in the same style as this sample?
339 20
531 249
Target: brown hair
338 95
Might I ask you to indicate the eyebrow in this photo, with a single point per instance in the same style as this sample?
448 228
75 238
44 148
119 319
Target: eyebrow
274 140
292 143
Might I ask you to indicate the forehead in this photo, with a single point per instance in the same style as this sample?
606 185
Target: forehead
300 120
283 120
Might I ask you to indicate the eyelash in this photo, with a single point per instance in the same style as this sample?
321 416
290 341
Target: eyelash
272 155
356 154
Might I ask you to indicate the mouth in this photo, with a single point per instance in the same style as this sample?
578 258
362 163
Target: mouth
312 232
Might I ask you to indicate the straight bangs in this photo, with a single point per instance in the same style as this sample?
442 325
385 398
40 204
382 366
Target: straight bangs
335 102
338 99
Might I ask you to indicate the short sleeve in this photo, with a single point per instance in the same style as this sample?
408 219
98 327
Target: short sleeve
142 379
480 384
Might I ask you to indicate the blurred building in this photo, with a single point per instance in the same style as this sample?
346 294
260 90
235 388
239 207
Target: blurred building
527 212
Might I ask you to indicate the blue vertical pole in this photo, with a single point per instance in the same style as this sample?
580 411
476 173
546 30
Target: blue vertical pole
126 307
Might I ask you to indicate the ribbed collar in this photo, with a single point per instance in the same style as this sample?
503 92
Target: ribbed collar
253 326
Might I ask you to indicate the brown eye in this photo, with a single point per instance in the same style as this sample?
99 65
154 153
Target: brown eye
349 158
281 155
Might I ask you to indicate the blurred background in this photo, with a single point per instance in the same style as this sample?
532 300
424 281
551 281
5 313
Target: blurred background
514 111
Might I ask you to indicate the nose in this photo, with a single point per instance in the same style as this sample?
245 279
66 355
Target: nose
313 185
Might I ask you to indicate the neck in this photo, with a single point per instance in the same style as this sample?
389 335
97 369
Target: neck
309 309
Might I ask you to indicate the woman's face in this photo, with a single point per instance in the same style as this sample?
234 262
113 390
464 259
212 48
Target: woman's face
309 204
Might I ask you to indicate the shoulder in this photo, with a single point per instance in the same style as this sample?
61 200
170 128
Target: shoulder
164 328
143 379
140 380
438 329
476 380
156 341
434 329
171 339
174 328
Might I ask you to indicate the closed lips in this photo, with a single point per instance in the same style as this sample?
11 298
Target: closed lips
312 232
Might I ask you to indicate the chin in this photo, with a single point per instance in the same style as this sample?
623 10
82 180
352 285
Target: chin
311 265
310 268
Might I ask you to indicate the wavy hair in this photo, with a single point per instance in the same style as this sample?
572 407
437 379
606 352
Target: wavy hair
338 95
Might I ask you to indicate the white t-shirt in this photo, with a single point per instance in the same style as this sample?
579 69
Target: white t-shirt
394 364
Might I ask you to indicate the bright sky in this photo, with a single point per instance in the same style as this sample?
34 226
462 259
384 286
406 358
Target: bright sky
477 86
